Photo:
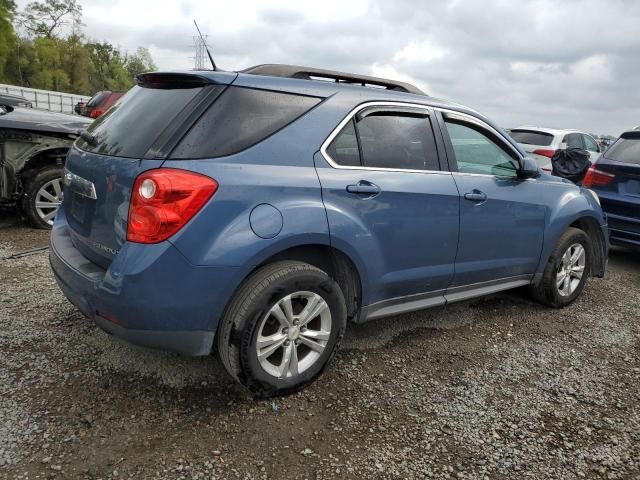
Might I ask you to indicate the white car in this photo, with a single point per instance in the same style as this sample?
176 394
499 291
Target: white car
541 143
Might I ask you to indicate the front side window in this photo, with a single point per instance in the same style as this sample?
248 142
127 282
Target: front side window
590 144
395 140
476 152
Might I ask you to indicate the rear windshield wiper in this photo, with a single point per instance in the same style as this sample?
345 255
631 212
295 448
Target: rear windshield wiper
88 137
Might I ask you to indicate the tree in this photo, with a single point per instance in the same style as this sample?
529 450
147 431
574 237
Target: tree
139 62
7 35
44 18
109 64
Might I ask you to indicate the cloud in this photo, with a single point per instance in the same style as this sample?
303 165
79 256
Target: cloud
571 64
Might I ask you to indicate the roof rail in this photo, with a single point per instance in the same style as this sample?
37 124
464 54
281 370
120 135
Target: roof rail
307 73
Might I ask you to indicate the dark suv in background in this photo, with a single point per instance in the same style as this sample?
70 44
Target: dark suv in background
615 177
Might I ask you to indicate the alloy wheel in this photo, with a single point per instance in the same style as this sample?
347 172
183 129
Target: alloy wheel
571 270
293 334
48 200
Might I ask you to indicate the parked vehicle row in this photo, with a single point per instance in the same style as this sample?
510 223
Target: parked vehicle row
541 143
253 214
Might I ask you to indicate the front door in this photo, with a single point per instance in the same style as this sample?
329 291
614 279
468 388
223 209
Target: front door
502 217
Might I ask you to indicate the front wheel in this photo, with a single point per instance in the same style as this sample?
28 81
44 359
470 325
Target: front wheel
567 270
282 328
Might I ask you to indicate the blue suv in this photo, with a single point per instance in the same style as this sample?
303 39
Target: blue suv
255 213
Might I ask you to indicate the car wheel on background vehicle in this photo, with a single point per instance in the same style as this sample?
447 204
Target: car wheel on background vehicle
43 196
282 328
567 270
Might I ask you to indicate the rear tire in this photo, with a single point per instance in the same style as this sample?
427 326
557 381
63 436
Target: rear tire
265 340
42 196
567 270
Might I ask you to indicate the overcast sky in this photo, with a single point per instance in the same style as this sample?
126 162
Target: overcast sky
568 64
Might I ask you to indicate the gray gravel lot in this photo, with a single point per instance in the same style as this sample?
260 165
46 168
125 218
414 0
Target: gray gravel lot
495 388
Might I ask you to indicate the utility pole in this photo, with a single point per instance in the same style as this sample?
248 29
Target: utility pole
200 49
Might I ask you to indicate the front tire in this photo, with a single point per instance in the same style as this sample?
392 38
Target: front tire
43 196
282 328
567 270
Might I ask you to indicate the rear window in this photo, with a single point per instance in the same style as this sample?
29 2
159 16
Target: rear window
97 98
625 150
530 137
130 128
240 118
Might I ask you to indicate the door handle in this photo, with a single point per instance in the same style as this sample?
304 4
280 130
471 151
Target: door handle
364 188
476 196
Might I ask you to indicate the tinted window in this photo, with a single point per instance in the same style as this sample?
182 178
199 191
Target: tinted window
97 98
590 144
574 140
397 140
130 127
529 137
625 150
240 118
344 148
477 152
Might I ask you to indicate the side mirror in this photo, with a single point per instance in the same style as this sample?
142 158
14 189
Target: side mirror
528 168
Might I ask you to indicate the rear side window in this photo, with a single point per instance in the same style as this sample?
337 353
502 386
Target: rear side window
130 127
625 150
344 149
530 137
240 118
396 140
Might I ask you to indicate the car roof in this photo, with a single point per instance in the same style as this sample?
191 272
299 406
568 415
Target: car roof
553 131
313 82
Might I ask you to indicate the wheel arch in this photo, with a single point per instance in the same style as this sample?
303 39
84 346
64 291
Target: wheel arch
345 270
589 225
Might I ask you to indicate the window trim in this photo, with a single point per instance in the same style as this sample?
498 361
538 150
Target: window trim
426 110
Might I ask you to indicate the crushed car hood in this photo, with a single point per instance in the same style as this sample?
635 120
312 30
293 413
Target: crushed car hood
43 121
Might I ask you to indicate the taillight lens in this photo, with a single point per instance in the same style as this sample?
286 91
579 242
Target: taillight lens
597 178
163 201
544 152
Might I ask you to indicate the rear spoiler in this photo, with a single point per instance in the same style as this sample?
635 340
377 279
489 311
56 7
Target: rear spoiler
631 135
176 80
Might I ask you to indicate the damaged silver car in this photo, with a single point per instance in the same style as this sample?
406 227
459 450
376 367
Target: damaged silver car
33 148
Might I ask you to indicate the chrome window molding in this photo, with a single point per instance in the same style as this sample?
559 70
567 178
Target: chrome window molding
471 119
325 145
427 109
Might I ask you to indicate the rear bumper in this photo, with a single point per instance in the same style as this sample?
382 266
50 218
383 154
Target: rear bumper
149 296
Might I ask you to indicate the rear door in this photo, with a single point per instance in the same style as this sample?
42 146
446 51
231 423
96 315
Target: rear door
391 203
132 137
502 216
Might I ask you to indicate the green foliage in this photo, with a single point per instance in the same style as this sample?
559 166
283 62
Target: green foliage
47 56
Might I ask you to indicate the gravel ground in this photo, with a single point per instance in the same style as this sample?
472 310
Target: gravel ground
495 388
